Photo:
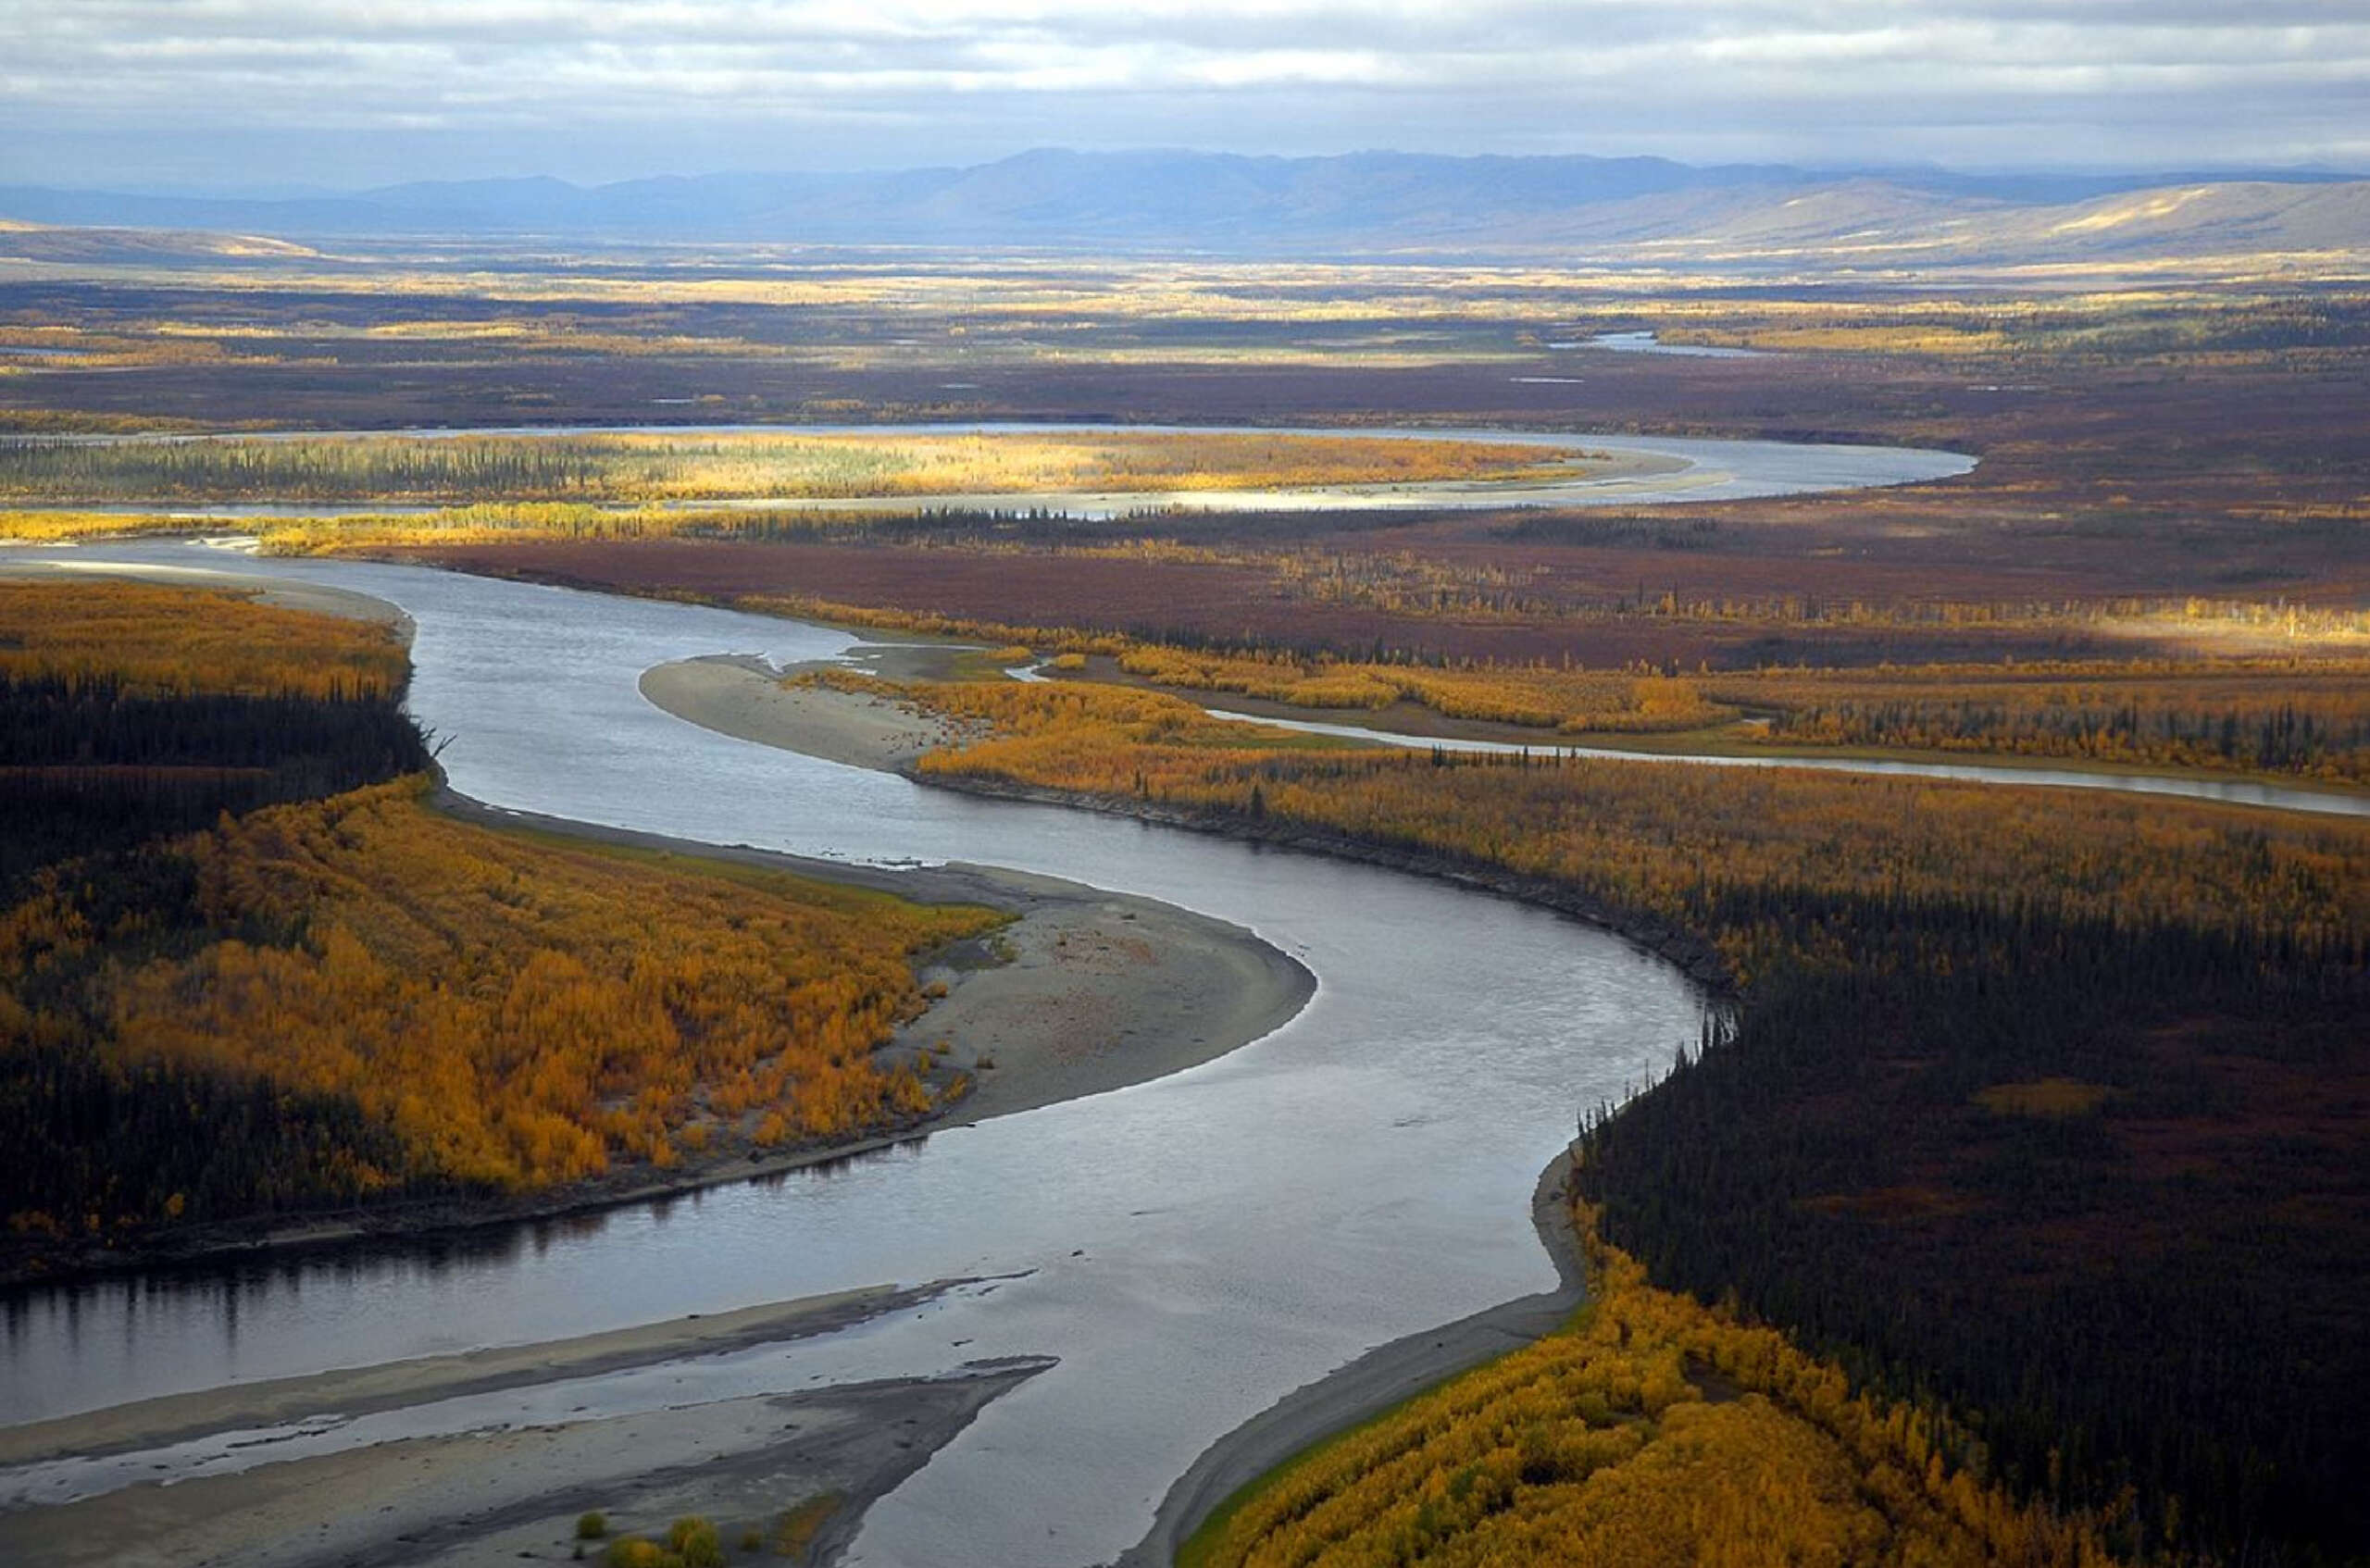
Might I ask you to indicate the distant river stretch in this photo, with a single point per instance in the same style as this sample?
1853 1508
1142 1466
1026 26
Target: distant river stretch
1647 470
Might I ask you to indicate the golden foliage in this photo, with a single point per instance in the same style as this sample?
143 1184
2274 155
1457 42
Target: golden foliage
1876 886
1662 837
1570 701
521 1012
2302 715
1649 1431
657 466
182 641
48 526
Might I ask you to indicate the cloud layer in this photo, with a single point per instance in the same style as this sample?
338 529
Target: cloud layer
350 92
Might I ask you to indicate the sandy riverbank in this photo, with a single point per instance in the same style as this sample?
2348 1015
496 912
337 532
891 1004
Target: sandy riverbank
1088 990
360 1390
508 1494
1384 1377
744 698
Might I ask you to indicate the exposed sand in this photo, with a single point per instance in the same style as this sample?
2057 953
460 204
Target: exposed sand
744 698
504 1496
359 1390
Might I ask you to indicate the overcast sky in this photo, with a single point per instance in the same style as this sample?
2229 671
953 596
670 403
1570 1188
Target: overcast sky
258 93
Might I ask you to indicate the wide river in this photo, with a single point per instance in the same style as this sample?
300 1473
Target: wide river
1189 1249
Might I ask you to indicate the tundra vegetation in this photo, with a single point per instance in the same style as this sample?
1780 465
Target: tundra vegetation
245 970
2298 716
1646 1428
2035 1127
647 466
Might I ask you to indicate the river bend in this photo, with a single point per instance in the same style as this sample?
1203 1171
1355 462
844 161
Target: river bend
1188 1249
1647 470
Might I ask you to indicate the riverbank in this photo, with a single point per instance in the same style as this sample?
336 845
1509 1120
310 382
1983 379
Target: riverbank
743 697
870 730
1363 1388
1082 992
508 1492
1086 990
355 1392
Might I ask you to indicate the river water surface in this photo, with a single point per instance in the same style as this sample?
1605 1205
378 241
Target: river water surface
1189 1248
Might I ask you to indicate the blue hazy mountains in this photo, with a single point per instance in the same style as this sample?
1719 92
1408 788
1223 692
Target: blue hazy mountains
1617 210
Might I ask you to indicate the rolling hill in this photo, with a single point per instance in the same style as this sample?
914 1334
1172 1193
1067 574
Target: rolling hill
1616 210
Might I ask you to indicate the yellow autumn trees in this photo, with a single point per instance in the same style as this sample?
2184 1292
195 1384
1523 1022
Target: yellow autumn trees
177 642
524 1011
1651 1431
328 998
626 468
1661 837
1569 702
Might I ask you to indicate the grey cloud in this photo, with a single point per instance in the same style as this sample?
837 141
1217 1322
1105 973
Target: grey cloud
613 87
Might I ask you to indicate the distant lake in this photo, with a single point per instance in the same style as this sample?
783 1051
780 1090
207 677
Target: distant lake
1647 343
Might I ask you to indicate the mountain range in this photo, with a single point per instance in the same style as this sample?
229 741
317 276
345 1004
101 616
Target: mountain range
1623 211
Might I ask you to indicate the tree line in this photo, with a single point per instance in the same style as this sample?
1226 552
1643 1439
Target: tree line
245 970
2041 1109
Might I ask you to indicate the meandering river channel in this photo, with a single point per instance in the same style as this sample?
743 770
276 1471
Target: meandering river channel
1187 1249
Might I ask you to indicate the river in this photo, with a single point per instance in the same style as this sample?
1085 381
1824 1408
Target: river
1648 469
1188 1249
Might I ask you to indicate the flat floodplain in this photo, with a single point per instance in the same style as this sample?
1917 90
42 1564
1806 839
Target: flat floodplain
2089 1042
